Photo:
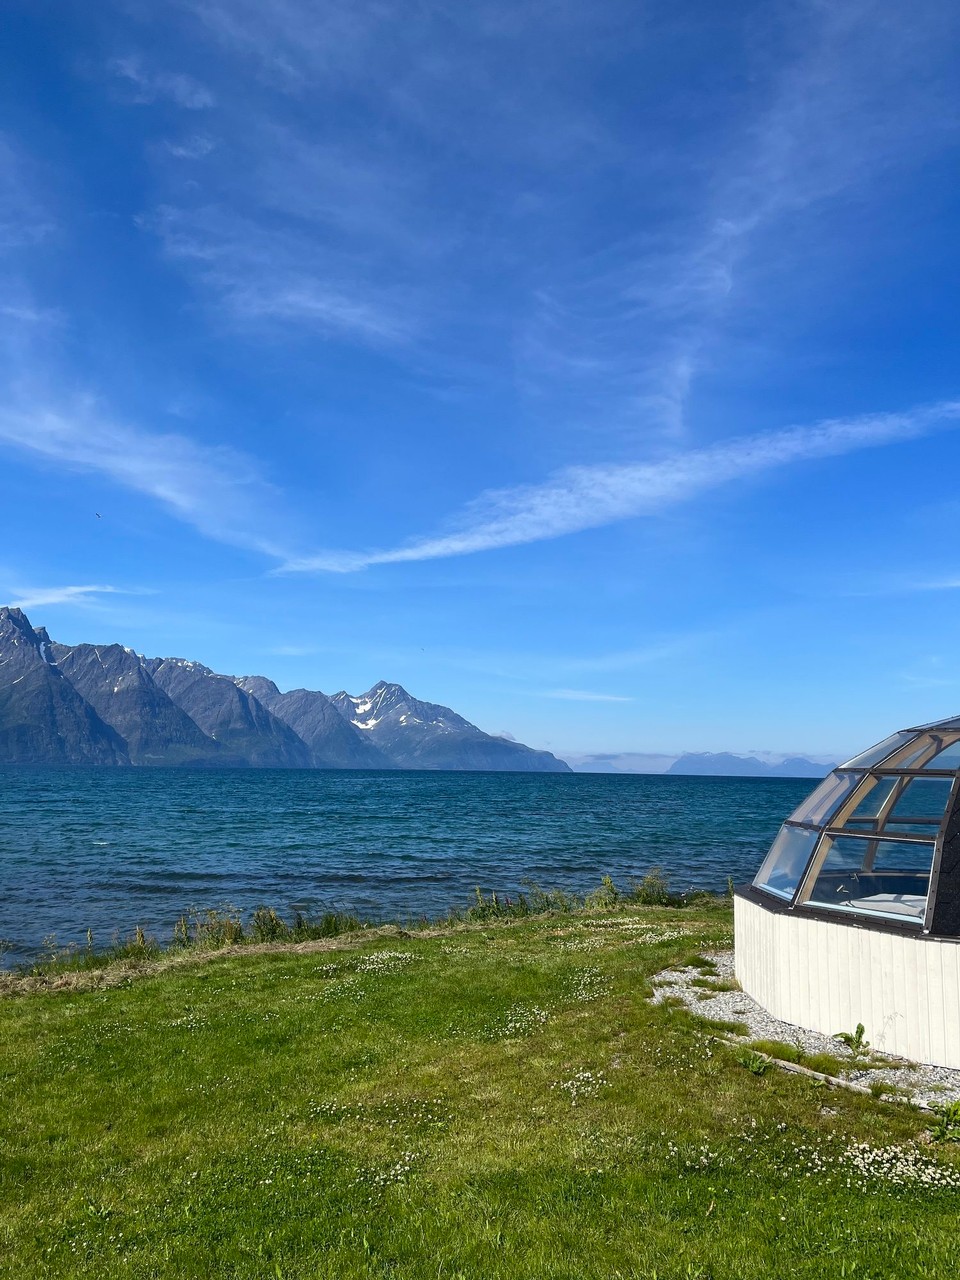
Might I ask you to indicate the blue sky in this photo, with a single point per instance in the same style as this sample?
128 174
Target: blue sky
589 367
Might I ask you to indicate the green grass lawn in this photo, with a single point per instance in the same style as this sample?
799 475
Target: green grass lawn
497 1101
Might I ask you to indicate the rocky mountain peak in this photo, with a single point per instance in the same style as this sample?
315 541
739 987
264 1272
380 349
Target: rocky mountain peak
43 718
20 645
426 735
259 686
15 623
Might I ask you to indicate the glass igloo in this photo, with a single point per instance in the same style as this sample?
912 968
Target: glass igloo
854 915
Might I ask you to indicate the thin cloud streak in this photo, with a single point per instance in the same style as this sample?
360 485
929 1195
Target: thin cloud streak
32 315
627 659
583 695
35 597
215 489
580 498
944 584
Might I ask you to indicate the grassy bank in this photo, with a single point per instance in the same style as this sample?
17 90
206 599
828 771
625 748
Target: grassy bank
219 929
493 1099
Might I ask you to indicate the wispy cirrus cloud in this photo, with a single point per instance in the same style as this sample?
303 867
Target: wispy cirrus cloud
580 498
223 494
25 313
264 275
928 682
35 597
327 231
331 229
194 147
359 226
29 231
950 583
860 89
144 86
24 218
665 650
583 695
219 491
287 40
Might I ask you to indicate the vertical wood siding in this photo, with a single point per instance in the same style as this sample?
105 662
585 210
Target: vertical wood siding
828 977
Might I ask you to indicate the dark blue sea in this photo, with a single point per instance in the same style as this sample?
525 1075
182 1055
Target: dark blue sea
110 849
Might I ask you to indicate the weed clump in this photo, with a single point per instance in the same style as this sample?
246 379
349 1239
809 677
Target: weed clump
825 1063
855 1041
753 1061
213 929
654 890
946 1125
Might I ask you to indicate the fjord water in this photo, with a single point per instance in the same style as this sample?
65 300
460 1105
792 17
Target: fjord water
110 849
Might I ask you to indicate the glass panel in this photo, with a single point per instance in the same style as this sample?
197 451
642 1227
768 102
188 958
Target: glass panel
827 798
939 726
787 860
870 877
900 855
923 827
922 798
949 758
914 756
880 751
844 853
874 798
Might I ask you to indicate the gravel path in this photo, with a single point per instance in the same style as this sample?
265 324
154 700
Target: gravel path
924 1085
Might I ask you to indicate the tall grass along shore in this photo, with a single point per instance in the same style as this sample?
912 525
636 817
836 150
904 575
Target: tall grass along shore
214 928
493 1095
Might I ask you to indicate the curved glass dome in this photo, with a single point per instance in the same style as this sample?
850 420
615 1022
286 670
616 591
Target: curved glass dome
879 839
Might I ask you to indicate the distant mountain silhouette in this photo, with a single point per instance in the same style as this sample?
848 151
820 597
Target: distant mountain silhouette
723 764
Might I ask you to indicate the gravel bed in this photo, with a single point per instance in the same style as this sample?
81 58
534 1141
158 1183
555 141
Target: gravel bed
922 1084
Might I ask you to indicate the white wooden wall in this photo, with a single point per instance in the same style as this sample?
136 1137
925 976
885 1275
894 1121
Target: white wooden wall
828 977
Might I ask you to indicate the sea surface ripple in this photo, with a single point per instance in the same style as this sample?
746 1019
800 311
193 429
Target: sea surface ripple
110 849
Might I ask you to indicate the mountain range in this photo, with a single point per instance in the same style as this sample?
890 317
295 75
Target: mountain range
723 764
705 763
91 704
